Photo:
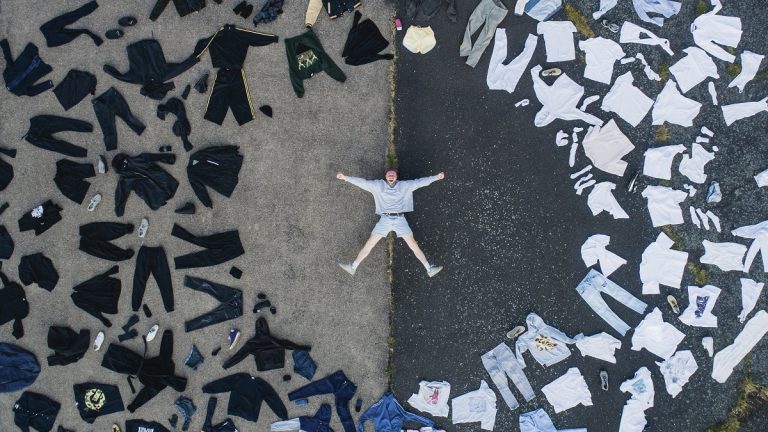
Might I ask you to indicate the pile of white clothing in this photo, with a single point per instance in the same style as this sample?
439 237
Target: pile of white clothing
655 335
641 388
568 391
662 265
476 406
432 398
677 371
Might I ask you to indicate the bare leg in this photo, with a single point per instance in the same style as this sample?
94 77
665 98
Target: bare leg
411 242
367 247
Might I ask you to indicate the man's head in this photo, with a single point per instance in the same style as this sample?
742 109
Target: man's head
390 175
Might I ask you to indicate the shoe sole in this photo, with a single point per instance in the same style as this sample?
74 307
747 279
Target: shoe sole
435 273
350 272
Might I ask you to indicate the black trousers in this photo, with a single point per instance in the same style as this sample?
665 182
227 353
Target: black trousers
38 268
231 306
99 295
56 34
220 248
95 240
152 261
337 384
42 128
109 105
226 426
230 91
70 179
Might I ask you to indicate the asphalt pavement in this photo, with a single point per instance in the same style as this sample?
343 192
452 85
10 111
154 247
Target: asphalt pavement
508 227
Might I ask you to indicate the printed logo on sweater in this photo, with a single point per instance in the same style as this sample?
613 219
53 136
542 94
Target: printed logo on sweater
145 429
307 59
544 343
95 399
701 304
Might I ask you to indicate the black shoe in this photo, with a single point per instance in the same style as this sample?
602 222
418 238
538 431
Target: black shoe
247 11
188 208
185 93
267 110
127 21
240 7
114 34
202 84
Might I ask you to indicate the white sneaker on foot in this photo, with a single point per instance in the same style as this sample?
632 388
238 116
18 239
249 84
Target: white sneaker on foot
143 227
98 341
152 333
94 202
433 270
348 267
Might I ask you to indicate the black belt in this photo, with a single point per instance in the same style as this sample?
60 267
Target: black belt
393 214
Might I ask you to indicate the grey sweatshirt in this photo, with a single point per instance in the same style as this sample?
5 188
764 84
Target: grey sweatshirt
392 199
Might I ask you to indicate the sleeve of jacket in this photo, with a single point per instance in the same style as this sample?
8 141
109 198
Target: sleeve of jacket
6 47
558 335
129 77
366 185
367 415
332 69
225 384
239 356
166 158
421 182
121 196
273 400
200 191
285 343
255 38
158 9
415 418
293 70
313 10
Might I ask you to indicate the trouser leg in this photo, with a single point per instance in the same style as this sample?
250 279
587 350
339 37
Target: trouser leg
511 367
240 100
493 367
218 105
162 275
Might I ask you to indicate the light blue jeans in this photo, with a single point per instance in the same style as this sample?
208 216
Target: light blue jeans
539 421
590 288
500 362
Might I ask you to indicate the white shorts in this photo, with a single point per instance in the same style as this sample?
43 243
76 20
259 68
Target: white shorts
398 224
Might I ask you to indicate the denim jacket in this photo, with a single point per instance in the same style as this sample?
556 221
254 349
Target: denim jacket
546 343
388 415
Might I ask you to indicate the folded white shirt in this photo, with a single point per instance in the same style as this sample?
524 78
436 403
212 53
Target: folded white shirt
568 391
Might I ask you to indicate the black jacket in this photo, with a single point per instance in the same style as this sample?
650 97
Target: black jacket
35 411
155 373
247 394
267 350
6 243
40 218
147 66
13 305
18 368
142 175
183 7
21 74
215 167
364 42
229 45
68 345
94 400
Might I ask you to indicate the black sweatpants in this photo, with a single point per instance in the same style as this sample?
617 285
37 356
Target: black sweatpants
56 34
152 261
95 240
108 105
42 128
38 268
70 179
99 295
230 90
220 248
231 300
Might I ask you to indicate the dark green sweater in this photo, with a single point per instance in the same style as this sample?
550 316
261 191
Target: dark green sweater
306 57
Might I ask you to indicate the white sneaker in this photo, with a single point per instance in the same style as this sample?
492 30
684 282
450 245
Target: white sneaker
433 270
102 165
348 267
515 332
94 202
98 341
143 227
152 333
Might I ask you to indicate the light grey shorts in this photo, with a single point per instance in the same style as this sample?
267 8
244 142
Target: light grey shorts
398 224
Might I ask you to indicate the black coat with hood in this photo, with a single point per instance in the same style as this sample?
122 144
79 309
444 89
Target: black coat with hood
142 175
267 350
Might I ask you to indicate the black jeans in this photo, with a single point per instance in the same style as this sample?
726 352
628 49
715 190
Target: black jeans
226 426
152 260
220 247
108 105
230 90
70 179
337 384
42 128
56 34
231 306
95 240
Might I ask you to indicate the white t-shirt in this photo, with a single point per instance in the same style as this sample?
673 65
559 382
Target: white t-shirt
658 161
558 39
600 54
627 101
664 205
641 388
727 256
432 398
600 346
568 391
701 301
662 265
601 199
655 335
677 371
476 406
693 68
693 166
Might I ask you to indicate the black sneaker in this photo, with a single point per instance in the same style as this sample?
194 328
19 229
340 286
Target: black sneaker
114 34
247 11
127 21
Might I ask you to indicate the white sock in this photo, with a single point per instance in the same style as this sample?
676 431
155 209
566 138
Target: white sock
427 265
355 264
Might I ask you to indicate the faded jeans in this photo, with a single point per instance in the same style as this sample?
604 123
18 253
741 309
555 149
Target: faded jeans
488 14
590 288
539 421
500 362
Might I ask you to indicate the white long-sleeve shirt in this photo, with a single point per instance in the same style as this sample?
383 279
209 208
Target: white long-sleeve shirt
392 199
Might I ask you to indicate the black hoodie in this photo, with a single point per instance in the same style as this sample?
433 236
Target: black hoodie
141 174
267 350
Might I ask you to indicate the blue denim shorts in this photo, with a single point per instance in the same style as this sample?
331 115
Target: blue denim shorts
398 224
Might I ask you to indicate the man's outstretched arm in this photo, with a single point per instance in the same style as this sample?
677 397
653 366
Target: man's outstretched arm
424 181
367 185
